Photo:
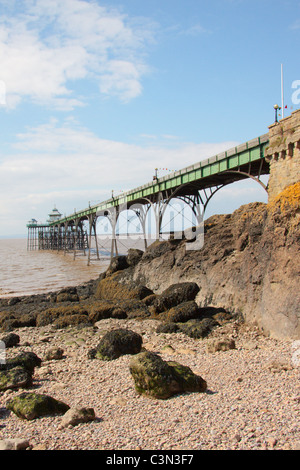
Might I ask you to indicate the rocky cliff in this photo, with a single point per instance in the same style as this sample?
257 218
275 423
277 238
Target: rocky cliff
249 264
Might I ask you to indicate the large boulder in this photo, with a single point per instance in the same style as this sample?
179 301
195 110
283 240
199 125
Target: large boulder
120 287
174 295
116 343
183 312
157 378
33 405
27 360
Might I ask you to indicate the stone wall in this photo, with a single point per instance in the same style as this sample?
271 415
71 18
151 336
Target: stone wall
283 154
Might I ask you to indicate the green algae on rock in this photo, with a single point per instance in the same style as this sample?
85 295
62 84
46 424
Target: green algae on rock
15 378
33 405
118 286
28 360
176 294
116 343
157 378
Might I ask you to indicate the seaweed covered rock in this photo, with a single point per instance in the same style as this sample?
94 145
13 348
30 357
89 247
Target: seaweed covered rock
28 360
199 329
183 312
195 328
10 340
68 294
120 287
72 320
168 327
10 321
63 316
174 295
66 297
33 405
116 343
106 309
157 378
15 378
135 308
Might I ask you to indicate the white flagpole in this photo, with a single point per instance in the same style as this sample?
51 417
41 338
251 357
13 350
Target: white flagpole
282 95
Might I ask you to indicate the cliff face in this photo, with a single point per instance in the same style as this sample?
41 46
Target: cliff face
249 264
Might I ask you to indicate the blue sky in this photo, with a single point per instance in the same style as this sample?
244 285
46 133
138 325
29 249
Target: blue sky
94 95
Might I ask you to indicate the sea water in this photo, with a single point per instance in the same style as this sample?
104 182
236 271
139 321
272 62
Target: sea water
25 272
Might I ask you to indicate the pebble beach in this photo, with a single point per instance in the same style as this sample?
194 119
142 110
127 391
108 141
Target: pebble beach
252 401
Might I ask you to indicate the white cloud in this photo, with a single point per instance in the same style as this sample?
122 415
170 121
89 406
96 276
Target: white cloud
51 43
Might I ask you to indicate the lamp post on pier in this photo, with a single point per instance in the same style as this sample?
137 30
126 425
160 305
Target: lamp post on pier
276 107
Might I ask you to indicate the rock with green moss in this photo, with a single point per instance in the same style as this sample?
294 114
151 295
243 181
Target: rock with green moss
116 343
14 379
28 360
168 327
71 320
175 295
106 309
33 405
68 294
199 329
183 312
157 378
195 328
63 315
119 287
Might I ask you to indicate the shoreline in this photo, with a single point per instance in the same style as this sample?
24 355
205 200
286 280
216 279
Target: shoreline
26 273
252 401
